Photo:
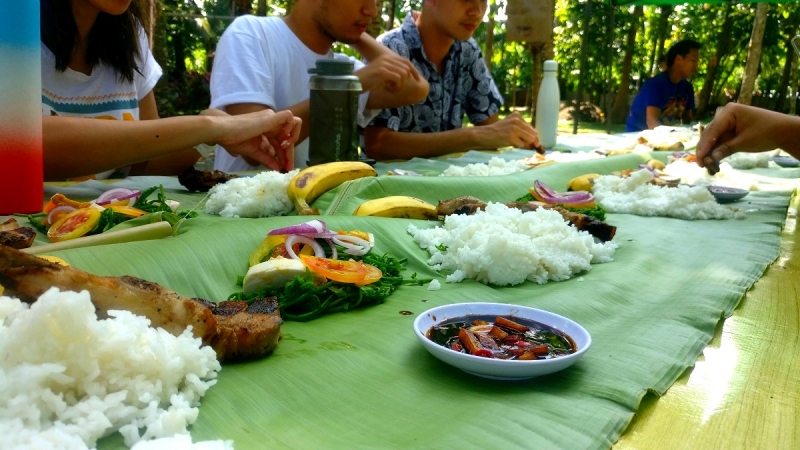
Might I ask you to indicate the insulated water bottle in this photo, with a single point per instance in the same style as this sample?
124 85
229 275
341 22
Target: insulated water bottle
333 112
548 104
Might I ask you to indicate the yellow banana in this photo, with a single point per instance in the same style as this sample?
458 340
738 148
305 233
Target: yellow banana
314 181
399 206
583 182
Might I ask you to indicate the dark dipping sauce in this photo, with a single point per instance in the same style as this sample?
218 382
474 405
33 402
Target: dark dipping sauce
502 337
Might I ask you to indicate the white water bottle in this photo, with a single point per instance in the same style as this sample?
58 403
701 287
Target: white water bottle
548 104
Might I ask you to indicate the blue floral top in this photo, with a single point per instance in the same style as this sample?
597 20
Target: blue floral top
466 86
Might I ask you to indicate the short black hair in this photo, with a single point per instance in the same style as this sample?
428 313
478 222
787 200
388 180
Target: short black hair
681 48
113 40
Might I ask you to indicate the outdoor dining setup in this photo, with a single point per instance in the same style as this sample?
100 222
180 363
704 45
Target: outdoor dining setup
354 265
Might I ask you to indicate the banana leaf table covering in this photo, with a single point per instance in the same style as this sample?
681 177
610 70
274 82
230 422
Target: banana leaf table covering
360 379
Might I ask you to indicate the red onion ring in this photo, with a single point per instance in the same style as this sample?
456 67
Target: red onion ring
353 245
550 196
116 195
63 209
313 227
296 238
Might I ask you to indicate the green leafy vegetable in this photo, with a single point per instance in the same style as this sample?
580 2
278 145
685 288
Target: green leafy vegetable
301 300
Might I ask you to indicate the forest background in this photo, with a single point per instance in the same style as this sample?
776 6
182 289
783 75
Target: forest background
747 54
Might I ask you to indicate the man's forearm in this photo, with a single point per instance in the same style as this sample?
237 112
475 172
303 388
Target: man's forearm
383 143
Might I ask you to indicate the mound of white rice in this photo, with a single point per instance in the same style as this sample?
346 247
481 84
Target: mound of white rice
634 195
67 379
495 166
505 246
691 173
746 161
262 195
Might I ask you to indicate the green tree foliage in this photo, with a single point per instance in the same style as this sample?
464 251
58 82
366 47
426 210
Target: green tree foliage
189 30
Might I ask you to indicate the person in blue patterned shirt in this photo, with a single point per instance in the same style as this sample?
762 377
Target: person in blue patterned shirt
438 41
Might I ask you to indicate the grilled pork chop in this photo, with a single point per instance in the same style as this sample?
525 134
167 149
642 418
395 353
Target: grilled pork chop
16 236
235 330
470 205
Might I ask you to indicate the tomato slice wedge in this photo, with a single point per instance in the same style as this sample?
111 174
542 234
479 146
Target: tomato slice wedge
335 269
74 225
373 274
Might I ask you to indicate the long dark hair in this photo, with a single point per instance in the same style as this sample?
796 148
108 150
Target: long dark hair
113 40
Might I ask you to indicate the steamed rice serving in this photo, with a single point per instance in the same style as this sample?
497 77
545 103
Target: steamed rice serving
635 195
691 173
505 246
495 166
262 195
67 379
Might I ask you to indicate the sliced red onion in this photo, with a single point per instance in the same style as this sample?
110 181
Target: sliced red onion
550 196
296 238
646 167
118 194
334 253
353 245
313 227
63 209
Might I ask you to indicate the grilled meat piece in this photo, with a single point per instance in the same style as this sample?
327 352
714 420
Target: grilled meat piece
470 205
15 236
202 180
246 332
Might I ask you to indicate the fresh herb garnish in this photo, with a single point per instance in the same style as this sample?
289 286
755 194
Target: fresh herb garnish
301 300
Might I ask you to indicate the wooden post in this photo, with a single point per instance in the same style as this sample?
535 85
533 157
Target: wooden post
152 21
536 77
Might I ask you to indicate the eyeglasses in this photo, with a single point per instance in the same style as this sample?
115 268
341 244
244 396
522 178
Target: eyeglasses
796 44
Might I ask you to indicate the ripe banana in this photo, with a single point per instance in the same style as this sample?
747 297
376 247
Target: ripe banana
583 182
399 206
314 181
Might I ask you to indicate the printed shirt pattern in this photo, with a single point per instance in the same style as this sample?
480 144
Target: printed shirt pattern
465 86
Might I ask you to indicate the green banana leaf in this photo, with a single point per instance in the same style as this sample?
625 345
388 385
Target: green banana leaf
361 379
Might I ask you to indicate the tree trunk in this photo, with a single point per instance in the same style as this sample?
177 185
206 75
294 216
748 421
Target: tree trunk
793 98
375 28
392 7
661 36
786 77
242 7
620 109
261 8
536 78
723 47
753 54
489 49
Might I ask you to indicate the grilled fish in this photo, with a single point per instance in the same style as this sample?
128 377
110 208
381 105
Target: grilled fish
470 205
236 330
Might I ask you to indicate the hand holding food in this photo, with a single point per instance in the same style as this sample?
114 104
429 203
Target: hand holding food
741 128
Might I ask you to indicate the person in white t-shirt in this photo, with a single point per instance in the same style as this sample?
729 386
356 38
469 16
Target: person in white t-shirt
96 63
262 63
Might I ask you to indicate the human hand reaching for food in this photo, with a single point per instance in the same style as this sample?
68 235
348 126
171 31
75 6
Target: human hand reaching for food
742 128
512 131
263 137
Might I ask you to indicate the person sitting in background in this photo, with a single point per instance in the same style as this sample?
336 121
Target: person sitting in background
262 63
96 63
742 128
438 41
667 98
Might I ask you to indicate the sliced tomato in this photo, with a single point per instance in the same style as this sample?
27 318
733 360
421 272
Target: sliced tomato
49 206
74 225
335 269
373 274
127 210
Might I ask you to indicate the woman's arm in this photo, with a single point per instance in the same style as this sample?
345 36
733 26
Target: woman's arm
78 146
173 164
